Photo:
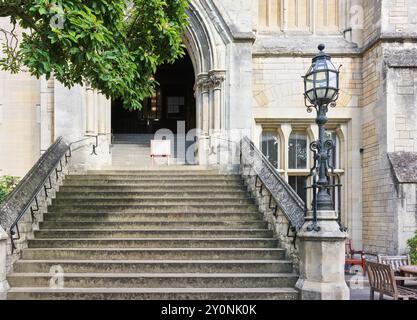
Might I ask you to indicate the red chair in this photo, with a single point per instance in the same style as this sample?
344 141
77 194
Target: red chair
351 256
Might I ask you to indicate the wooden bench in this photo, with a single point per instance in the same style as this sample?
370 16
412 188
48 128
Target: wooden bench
396 262
382 280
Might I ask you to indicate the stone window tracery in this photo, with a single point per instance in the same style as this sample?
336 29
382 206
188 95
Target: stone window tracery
294 161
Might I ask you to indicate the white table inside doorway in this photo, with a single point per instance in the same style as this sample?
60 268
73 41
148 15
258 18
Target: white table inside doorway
160 148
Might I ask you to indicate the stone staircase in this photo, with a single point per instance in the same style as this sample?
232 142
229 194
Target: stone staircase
133 150
166 234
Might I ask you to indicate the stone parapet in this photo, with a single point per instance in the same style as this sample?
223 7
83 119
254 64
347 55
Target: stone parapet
322 260
4 286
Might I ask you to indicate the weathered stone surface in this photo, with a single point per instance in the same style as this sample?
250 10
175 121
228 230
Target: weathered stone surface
4 287
30 185
404 166
286 198
401 58
227 263
322 257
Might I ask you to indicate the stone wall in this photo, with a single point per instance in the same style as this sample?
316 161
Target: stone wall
400 17
402 135
278 104
19 119
262 87
278 224
389 125
372 14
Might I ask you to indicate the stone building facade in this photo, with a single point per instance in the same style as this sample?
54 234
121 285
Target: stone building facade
248 57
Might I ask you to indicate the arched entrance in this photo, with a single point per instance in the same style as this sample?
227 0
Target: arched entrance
194 90
172 102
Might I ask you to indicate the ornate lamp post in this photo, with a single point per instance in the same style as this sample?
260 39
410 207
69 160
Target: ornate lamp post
321 90
322 249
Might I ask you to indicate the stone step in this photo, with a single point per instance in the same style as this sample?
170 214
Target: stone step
120 142
152 201
144 160
168 208
152 225
154 176
133 158
172 169
156 182
152 266
131 139
126 140
158 280
166 233
144 233
161 171
124 149
152 253
153 243
175 216
154 294
126 152
148 195
124 145
150 188
133 136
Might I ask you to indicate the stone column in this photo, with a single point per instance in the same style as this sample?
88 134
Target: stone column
322 259
96 106
90 121
219 147
4 286
102 114
216 80
108 116
47 113
202 100
205 93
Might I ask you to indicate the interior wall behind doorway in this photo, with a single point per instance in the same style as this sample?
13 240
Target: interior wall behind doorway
173 101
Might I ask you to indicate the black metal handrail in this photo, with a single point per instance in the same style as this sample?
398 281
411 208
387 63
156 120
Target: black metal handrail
21 199
285 198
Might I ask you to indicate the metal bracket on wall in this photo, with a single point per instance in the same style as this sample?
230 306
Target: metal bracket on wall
275 209
32 211
47 188
260 186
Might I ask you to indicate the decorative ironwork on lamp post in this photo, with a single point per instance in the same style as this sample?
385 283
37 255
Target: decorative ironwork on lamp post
321 91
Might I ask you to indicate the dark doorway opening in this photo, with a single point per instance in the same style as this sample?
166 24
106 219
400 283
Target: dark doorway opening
173 101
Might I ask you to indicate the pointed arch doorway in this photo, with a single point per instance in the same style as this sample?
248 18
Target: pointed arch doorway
194 90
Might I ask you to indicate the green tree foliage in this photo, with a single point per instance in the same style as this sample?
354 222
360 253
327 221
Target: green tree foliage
114 45
7 184
412 243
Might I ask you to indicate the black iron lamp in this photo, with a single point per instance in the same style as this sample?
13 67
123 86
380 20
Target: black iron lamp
321 90
321 84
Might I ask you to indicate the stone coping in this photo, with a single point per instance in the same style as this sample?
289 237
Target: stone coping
404 166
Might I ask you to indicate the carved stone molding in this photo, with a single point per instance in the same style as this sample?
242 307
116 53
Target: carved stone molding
211 81
216 79
203 83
